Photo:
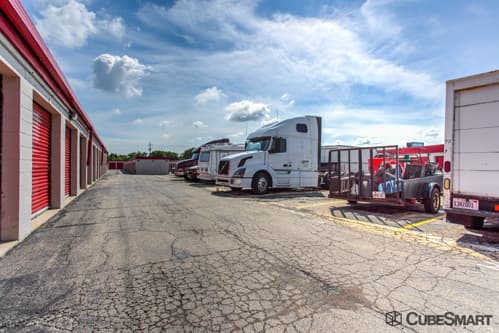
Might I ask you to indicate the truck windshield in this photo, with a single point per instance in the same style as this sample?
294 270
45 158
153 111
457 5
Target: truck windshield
205 156
260 143
195 156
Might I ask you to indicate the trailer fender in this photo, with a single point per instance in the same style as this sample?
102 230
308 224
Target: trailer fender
427 189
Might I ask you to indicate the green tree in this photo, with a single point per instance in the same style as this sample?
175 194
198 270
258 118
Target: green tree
168 154
116 157
133 155
187 153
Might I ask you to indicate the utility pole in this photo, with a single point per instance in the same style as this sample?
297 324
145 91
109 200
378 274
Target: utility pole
150 148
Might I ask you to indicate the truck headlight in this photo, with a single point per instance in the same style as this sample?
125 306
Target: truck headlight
239 173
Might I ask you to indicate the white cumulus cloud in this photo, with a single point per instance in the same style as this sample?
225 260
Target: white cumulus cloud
70 24
138 121
114 26
117 112
246 111
208 95
119 74
431 132
367 141
199 124
164 123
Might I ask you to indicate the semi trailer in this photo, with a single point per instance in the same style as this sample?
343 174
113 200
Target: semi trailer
284 154
471 161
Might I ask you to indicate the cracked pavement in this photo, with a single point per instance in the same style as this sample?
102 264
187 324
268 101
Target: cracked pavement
155 253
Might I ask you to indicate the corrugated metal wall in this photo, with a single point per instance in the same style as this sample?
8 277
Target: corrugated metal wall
67 162
1 129
41 159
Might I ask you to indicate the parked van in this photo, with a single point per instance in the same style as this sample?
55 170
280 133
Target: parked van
210 156
284 154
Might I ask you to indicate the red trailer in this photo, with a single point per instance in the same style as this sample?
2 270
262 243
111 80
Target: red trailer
422 154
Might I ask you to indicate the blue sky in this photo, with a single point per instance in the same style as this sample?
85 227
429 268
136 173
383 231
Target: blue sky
179 73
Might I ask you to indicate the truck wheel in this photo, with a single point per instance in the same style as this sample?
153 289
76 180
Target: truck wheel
432 204
352 202
260 183
476 222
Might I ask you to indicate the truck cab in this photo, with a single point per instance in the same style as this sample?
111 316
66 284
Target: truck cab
182 167
283 154
210 157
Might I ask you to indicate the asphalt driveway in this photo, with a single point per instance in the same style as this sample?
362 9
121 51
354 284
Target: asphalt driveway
155 253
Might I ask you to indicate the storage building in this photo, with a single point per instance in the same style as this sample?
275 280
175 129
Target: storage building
147 166
49 147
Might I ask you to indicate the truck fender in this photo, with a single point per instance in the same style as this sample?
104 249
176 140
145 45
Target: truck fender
427 189
268 174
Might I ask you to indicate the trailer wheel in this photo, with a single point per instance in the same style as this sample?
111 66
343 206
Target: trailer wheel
432 204
476 222
260 183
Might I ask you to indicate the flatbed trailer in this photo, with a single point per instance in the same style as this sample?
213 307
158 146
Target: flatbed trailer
371 174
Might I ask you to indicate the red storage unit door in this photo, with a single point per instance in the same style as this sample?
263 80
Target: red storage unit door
1 126
41 159
67 163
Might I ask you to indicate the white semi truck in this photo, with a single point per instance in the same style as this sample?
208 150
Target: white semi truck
210 157
284 154
471 160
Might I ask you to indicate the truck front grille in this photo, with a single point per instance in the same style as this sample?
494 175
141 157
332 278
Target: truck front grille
223 167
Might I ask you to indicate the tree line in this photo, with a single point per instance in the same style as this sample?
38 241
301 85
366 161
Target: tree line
155 153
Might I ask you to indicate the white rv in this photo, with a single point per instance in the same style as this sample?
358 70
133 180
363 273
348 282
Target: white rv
471 162
283 154
210 157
